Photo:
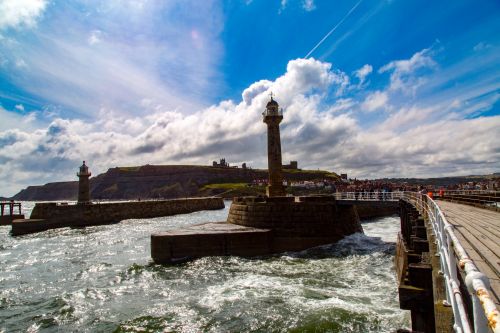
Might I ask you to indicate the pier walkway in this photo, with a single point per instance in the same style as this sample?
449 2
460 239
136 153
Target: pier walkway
454 248
478 231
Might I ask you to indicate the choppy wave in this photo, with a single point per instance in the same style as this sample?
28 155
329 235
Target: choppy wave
101 279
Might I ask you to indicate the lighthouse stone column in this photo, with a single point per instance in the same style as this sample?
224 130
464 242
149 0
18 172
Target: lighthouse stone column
272 117
84 185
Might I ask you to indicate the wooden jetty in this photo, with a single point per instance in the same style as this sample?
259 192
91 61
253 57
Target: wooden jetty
478 230
447 263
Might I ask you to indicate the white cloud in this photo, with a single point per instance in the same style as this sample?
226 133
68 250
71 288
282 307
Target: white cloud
413 141
21 64
363 72
403 71
254 90
481 46
94 37
406 118
120 61
375 101
19 107
342 104
20 13
308 5
283 5
16 120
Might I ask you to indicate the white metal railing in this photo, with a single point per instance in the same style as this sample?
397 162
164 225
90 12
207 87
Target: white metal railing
486 198
369 196
485 313
470 191
396 195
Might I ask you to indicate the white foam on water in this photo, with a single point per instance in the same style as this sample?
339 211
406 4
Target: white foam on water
101 278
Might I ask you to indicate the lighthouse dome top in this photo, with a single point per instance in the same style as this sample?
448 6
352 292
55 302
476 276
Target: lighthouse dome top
84 170
272 108
272 103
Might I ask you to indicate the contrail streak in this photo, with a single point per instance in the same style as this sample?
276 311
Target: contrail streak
334 28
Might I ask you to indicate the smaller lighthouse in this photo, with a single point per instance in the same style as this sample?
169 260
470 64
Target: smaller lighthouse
272 117
83 185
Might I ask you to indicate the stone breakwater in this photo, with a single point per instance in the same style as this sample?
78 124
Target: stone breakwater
298 223
260 226
54 215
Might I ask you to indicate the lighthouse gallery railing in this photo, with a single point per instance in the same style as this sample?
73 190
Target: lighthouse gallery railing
452 254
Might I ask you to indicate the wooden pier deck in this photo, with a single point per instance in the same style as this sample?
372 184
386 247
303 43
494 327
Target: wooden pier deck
478 230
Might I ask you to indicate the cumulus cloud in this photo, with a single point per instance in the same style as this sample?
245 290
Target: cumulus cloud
254 90
11 119
315 131
308 5
363 72
20 13
403 72
375 101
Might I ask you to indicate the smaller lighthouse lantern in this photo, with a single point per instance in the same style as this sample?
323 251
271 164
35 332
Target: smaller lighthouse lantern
83 184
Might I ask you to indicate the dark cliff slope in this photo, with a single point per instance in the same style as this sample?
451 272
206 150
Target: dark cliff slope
157 181
50 191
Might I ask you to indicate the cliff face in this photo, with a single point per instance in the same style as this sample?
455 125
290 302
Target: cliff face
156 181
50 191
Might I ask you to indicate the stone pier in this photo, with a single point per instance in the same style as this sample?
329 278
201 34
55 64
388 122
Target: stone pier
261 226
53 215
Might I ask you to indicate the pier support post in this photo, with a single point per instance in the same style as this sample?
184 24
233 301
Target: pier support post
421 288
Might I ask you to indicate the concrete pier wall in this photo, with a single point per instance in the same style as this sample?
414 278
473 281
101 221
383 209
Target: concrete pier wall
267 225
53 215
261 226
210 239
297 223
373 209
7 219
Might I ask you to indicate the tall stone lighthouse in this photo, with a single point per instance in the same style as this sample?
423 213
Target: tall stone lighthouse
272 117
83 185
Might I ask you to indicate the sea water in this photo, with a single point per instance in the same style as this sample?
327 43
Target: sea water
102 279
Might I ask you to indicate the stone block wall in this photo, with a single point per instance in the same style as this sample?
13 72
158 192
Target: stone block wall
177 246
372 209
52 215
297 223
114 212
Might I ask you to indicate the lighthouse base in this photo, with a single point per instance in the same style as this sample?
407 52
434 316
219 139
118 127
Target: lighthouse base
261 226
297 223
275 191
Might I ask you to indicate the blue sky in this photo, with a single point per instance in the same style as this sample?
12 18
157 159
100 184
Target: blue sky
399 88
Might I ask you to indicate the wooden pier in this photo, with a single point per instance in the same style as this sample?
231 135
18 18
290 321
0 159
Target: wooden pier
478 230
447 262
